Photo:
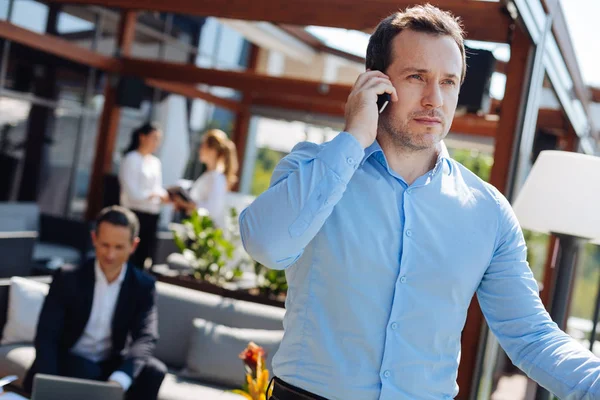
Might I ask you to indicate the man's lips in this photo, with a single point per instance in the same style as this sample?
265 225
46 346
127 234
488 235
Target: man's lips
428 120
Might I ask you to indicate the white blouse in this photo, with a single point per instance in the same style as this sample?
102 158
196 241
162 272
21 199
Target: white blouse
141 177
208 192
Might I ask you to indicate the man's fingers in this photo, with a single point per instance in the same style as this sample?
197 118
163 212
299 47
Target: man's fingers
365 77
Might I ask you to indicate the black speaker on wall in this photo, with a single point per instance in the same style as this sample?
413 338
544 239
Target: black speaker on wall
130 91
475 91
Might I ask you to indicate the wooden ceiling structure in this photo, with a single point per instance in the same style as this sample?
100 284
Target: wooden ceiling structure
483 20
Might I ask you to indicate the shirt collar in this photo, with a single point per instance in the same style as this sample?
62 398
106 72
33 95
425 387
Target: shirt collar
443 156
100 277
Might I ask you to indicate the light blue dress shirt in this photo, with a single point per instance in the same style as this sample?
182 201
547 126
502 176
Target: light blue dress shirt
381 275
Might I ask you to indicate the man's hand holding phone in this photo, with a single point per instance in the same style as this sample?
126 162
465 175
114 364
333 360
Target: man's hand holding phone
362 110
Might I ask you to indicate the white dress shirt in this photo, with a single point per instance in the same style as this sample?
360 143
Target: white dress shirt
96 342
208 192
140 177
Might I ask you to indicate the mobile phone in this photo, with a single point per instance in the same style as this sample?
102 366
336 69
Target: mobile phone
382 101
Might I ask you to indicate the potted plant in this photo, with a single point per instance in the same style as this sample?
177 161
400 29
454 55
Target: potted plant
205 247
270 282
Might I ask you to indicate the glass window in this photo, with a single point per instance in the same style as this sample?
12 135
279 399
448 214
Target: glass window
87 151
4 9
230 48
585 290
13 129
208 40
266 160
146 43
199 114
30 14
108 41
56 163
77 24
68 23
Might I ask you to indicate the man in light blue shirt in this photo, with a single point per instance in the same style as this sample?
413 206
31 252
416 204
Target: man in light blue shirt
385 239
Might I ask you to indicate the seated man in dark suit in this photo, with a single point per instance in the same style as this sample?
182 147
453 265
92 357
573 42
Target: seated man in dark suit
91 311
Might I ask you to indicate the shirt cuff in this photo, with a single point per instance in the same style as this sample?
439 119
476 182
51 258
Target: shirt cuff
343 155
122 379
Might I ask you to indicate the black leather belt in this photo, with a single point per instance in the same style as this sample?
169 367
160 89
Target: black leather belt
285 391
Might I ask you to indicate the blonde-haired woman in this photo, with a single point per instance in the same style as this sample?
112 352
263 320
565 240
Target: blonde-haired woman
219 155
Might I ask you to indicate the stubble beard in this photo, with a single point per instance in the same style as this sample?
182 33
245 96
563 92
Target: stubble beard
402 138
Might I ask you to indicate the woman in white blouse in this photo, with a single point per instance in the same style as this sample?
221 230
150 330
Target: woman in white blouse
142 191
219 155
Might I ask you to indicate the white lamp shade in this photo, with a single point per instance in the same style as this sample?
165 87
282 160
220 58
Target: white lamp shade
562 195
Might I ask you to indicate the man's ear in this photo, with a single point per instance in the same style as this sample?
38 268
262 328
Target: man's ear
134 244
94 237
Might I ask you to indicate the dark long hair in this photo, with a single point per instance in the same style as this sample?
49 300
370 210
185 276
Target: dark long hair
145 130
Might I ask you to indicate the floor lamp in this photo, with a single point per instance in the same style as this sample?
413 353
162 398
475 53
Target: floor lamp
561 196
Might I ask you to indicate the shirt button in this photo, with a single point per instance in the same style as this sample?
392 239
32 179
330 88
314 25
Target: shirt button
408 233
387 374
394 326
403 279
350 160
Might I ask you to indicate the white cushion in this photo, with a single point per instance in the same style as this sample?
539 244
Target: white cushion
25 300
215 349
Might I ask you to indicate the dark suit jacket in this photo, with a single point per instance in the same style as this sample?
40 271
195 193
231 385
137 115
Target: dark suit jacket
67 309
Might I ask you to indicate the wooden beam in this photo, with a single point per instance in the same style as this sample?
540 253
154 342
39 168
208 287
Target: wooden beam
242 81
242 118
109 122
475 125
303 104
56 46
552 119
483 20
509 116
193 93
595 94
126 34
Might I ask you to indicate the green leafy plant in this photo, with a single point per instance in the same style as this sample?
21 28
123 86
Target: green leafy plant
270 281
205 246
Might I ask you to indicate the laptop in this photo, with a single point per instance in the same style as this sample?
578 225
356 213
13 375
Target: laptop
51 387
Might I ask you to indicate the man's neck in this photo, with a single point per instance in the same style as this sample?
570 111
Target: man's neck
408 163
110 276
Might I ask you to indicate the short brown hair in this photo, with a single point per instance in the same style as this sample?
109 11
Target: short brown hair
427 19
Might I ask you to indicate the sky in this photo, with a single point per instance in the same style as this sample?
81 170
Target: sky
581 16
582 19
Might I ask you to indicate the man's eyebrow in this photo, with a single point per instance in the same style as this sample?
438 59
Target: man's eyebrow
414 69
451 75
426 71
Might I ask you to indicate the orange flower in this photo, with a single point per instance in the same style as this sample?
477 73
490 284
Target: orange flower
251 353
257 375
